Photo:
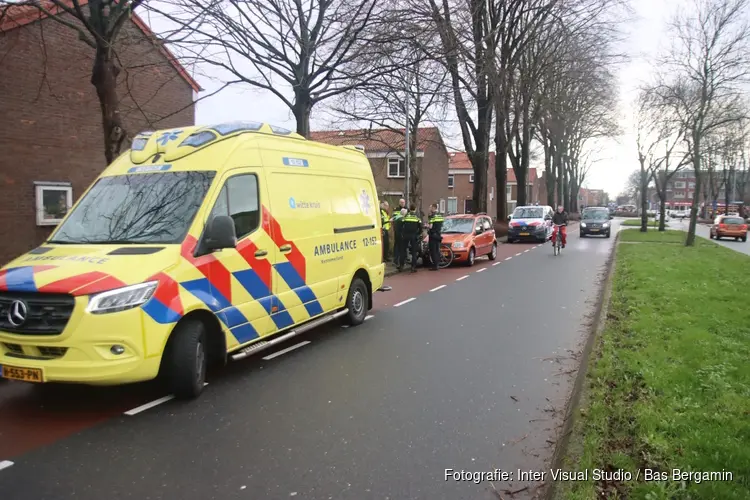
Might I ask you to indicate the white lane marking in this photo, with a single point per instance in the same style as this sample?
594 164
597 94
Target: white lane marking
525 251
462 278
438 288
148 406
5 464
508 258
156 402
369 316
480 270
496 264
284 351
404 302
519 253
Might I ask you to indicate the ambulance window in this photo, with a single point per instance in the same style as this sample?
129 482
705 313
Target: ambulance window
239 200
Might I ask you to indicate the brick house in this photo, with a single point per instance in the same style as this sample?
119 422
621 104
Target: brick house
385 148
590 198
51 132
461 184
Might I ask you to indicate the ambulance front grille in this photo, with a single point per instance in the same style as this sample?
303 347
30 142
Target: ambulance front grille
42 313
34 352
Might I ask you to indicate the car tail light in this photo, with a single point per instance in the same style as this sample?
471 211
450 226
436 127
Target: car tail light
722 226
744 227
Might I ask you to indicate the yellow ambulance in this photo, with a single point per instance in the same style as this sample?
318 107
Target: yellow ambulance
197 245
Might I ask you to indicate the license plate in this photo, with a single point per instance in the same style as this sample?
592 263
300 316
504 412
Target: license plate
444 253
523 234
594 230
25 374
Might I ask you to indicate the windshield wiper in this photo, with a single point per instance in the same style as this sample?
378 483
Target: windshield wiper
61 242
114 242
452 232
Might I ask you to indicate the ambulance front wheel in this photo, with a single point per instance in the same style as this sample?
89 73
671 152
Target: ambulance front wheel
357 302
185 360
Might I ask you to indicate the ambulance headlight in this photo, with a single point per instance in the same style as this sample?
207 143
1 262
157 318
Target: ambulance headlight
121 299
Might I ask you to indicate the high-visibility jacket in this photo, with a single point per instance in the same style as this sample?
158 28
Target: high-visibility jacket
436 222
385 220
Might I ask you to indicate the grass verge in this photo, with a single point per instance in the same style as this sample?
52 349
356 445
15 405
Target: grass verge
637 222
669 379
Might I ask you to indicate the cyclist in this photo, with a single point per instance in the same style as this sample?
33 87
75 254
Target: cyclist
435 236
560 219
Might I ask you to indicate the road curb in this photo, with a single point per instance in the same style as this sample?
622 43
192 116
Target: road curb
597 327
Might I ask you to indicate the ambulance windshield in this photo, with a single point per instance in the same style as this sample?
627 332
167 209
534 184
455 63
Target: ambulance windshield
155 208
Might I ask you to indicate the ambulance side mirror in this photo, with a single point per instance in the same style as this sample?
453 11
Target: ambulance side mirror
220 233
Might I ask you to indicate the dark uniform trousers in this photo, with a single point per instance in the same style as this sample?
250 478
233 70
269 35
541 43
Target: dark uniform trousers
411 231
435 239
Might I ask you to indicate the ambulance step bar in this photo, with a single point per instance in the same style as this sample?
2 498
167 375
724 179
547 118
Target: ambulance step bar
265 344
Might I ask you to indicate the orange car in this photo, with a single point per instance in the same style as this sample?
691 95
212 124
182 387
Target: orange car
470 236
729 226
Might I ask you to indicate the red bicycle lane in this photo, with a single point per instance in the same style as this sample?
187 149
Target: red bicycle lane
36 416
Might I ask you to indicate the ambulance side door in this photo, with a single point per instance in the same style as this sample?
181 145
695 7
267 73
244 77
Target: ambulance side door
242 278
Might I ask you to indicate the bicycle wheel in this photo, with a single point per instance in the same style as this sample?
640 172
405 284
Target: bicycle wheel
446 256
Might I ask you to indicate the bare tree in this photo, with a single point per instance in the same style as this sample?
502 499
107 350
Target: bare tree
98 24
703 76
306 48
413 94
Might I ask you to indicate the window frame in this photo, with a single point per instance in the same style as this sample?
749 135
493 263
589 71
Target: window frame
39 189
218 197
471 178
451 181
400 168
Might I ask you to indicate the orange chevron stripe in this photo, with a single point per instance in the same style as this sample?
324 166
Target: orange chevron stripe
295 257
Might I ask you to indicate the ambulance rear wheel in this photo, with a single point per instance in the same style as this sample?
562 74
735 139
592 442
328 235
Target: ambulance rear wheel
356 302
185 362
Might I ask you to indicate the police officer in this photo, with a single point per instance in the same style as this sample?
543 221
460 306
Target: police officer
410 233
435 235
397 219
386 223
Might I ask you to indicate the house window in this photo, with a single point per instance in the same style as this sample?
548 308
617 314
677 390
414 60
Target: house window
53 200
471 178
396 168
452 205
450 181
691 185
508 193
679 184
442 206
679 195
468 206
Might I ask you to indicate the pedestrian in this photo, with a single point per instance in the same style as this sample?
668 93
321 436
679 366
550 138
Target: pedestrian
398 216
435 235
410 233
386 223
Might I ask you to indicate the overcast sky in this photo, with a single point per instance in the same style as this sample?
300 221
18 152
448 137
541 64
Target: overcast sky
645 34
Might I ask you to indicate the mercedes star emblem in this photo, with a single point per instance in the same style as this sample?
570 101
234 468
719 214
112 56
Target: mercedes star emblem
17 313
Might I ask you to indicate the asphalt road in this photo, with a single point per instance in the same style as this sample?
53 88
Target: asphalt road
704 231
463 369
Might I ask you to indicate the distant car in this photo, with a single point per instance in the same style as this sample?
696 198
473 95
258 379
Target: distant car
678 214
595 220
470 236
530 223
726 226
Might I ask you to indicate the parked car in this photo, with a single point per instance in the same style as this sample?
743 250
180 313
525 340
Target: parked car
726 226
470 236
530 223
595 220
679 214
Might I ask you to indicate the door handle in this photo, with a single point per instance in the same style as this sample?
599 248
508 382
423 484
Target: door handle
285 248
261 253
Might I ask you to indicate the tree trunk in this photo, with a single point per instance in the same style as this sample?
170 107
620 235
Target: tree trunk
302 111
644 191
479 193
690 240
104 79
560 175
501 169
662 206
523 168
549 172
415 173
